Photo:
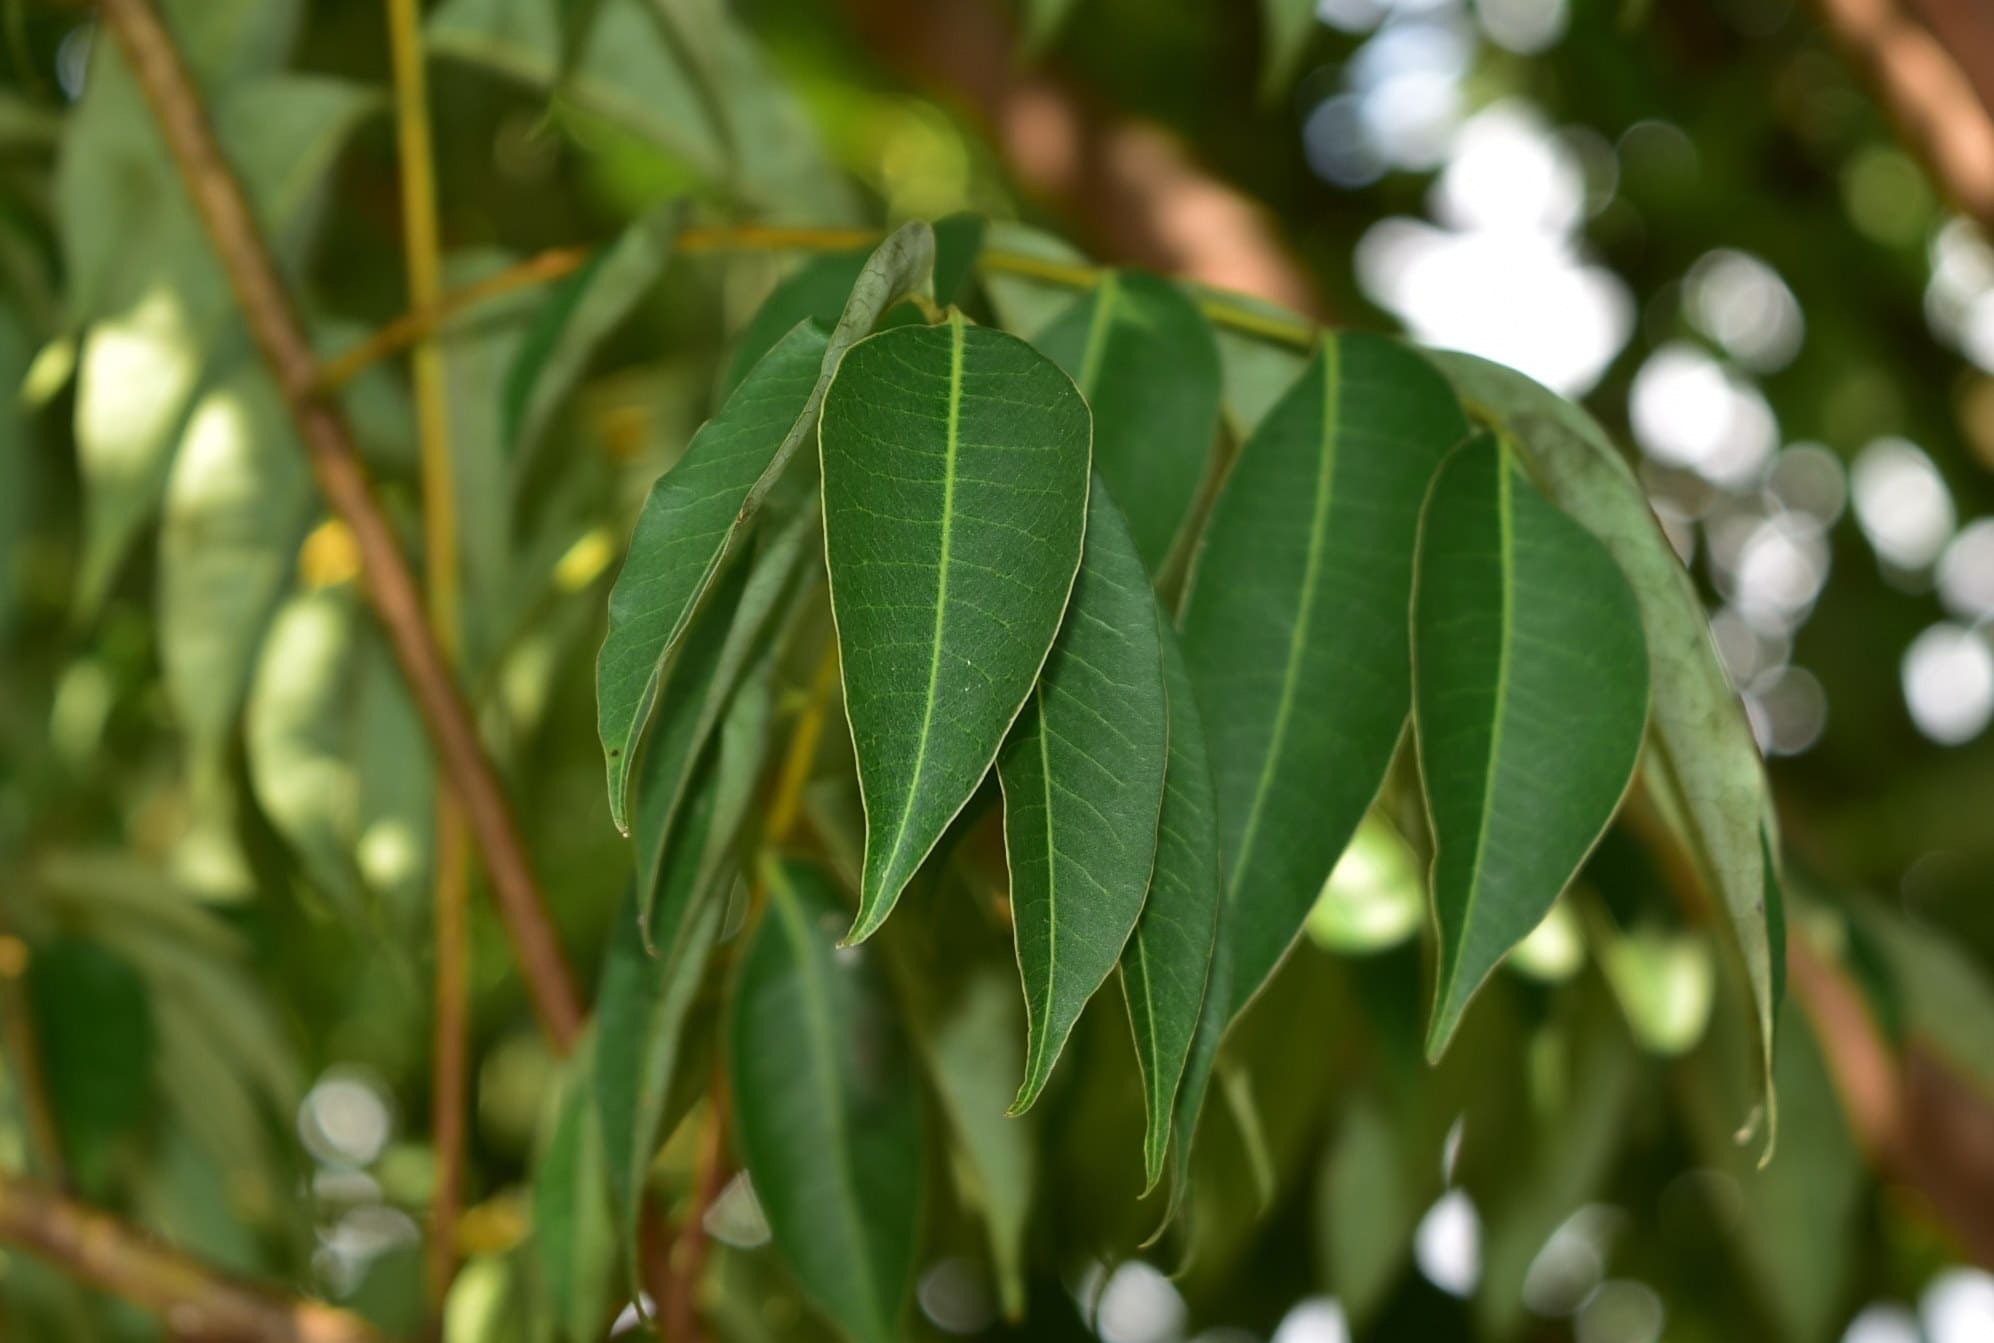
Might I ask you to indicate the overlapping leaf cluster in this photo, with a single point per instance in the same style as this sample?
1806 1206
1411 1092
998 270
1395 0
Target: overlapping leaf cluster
1188 661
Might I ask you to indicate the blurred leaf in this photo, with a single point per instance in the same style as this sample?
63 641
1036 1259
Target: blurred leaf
1168 958
815 291
1375 1183
1043 20
96 1044
1532 695
827 1108
1082 774
958 245
581 313
1254 372
1145 360
1705 760
942 629
1285 29
1295 628
1025 304
236 506
572 1236
1947 999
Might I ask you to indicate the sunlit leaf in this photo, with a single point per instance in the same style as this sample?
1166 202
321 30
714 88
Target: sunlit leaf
1168 959
1705 759
1082 774
1295 627
697 513
1532 693
1145 360
955 496
827 1108
576 317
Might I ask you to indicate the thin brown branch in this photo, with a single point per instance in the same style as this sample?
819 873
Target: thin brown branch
224 211
1927 94
195 1302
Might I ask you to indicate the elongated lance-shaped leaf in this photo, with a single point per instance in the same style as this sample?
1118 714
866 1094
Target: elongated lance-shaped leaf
1704 760
750 604
571 1233
1082 774
1295 627
955 500
1168 959
699 511
1145 359
577 316
827 1107
1531 694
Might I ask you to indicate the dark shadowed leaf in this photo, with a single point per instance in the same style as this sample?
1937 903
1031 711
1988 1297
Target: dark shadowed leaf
955 499
827 1108
1295 627
1168 959
1532 693
1145 360
1082 773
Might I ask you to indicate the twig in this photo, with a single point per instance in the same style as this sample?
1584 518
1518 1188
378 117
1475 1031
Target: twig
450 1063
196 1302
219 200
548 266
1928 95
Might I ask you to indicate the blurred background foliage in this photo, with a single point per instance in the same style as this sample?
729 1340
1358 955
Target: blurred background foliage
215 798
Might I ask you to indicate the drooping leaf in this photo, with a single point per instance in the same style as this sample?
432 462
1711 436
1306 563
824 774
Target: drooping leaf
727 636
572 1237
827 1108
697 513
955 496
236 507
1215 1014
1082 773
1168 959
1295 627
1705 759
1532 680
1145 360
641 1013
574 319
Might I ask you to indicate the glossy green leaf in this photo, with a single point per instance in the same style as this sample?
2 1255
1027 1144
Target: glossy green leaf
698 512
1145 360
1082 773
1168 959
827 1108
575 318
1532 693
237 504
1704 759
572 1237
1295 627
955 498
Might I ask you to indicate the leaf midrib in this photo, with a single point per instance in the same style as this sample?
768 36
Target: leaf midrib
941 587
1299 631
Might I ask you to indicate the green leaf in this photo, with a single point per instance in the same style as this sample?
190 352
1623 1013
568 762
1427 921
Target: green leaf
958 245
1168 959
814 291
581 313
749 603
1285 28
1043 20
236 507
1532 680
641 1013
1704 760
1082 773
1295 628
1145 360
572 1238
698 512
955 500
1024 304
827 1109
